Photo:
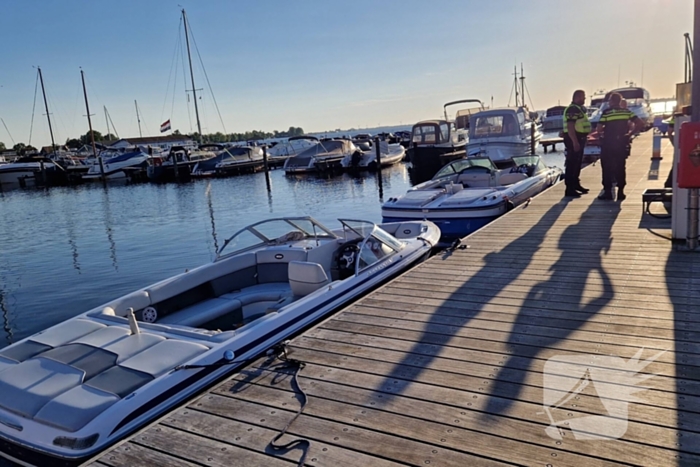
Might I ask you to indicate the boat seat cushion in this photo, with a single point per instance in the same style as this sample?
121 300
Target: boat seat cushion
24 351
201 312
103 337
305 277
75 408
269 292
272 263
66 332
27 387
510 178
6 363
133 344
474 179
163 357
176 285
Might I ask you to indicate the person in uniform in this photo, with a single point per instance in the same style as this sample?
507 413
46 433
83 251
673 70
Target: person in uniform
576 130
617 125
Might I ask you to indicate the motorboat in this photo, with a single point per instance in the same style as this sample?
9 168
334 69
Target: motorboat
121 166
437 142
468 193
72 390
231 161
280 152
554 118
366 158
501 134
177 164
325 155
637 102
25 169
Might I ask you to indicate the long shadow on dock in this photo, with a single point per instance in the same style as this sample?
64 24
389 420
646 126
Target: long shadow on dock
595 238
687 360
523 249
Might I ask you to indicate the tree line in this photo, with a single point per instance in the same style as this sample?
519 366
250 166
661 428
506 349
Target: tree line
218 137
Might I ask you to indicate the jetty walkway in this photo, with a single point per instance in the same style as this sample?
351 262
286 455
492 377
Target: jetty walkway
467 359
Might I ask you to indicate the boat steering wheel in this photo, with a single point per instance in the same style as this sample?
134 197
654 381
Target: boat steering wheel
347 259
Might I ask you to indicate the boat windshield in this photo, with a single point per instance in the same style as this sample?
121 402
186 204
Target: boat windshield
431 133
460 164
376 245
533 164
275 232
489 125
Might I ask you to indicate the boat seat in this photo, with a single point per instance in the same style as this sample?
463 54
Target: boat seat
269 292
511 178
474 179
6 363
103 337
28 386
75 408
133 344
305 277
66 332
163 357
272 263
202 312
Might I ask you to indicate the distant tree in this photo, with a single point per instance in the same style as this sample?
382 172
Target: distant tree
30 148
19 148
85 139
176 132
2 146
73 143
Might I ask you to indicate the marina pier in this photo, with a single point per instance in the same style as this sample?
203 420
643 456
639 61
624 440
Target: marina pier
460 361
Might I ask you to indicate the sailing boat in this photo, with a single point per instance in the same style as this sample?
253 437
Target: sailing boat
35 169
177 165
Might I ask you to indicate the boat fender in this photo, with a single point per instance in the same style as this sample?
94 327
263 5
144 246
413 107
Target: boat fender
149 314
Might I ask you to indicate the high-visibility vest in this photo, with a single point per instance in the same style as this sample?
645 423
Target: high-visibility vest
612 115
582 124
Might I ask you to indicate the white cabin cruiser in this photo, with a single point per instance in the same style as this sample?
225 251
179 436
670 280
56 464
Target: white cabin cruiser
118 167
637 102
501 134
25 168
76 388
230 161
366 158
469 193
324 155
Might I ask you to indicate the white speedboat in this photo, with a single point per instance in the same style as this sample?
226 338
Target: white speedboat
468 193
24 169
553 119
366 159
118 167
231 161
501 134
280 152
325 155
74 389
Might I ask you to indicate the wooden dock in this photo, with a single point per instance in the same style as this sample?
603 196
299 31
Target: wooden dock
444 365
551 142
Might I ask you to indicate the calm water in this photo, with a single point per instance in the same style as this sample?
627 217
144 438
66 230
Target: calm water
65 250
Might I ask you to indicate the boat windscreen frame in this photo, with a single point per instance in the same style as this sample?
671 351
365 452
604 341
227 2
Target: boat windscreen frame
376 234
322 232
470 160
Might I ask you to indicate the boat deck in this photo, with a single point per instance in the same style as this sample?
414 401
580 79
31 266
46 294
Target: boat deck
455 362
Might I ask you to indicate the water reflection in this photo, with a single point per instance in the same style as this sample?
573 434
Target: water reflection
5 310
210 206
108 226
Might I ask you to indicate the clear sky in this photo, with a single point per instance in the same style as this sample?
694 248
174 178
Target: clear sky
321 64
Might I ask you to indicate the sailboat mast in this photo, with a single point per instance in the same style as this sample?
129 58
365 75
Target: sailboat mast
515 84
107 122
46 105
194 90
137 117
522 86
87 108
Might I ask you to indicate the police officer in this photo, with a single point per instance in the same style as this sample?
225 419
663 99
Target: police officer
617 125
576 129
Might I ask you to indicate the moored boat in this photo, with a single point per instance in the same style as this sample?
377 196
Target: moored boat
76 388
468 193
325 155
389 154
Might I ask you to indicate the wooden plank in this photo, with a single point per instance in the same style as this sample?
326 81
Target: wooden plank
365 391
135 455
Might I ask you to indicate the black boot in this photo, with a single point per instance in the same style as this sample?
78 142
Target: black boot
621 194
582 190
572 193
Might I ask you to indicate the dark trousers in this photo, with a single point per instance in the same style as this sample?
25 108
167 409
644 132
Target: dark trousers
572 166
613 160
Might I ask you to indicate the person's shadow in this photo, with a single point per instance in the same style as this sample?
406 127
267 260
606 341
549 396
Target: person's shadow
516 256
582 246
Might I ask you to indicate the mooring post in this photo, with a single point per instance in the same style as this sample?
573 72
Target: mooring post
378 152
265 166
532 138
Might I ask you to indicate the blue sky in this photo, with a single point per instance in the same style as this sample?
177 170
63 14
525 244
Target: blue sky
322 65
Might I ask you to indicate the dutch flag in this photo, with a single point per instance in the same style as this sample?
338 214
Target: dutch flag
165 126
